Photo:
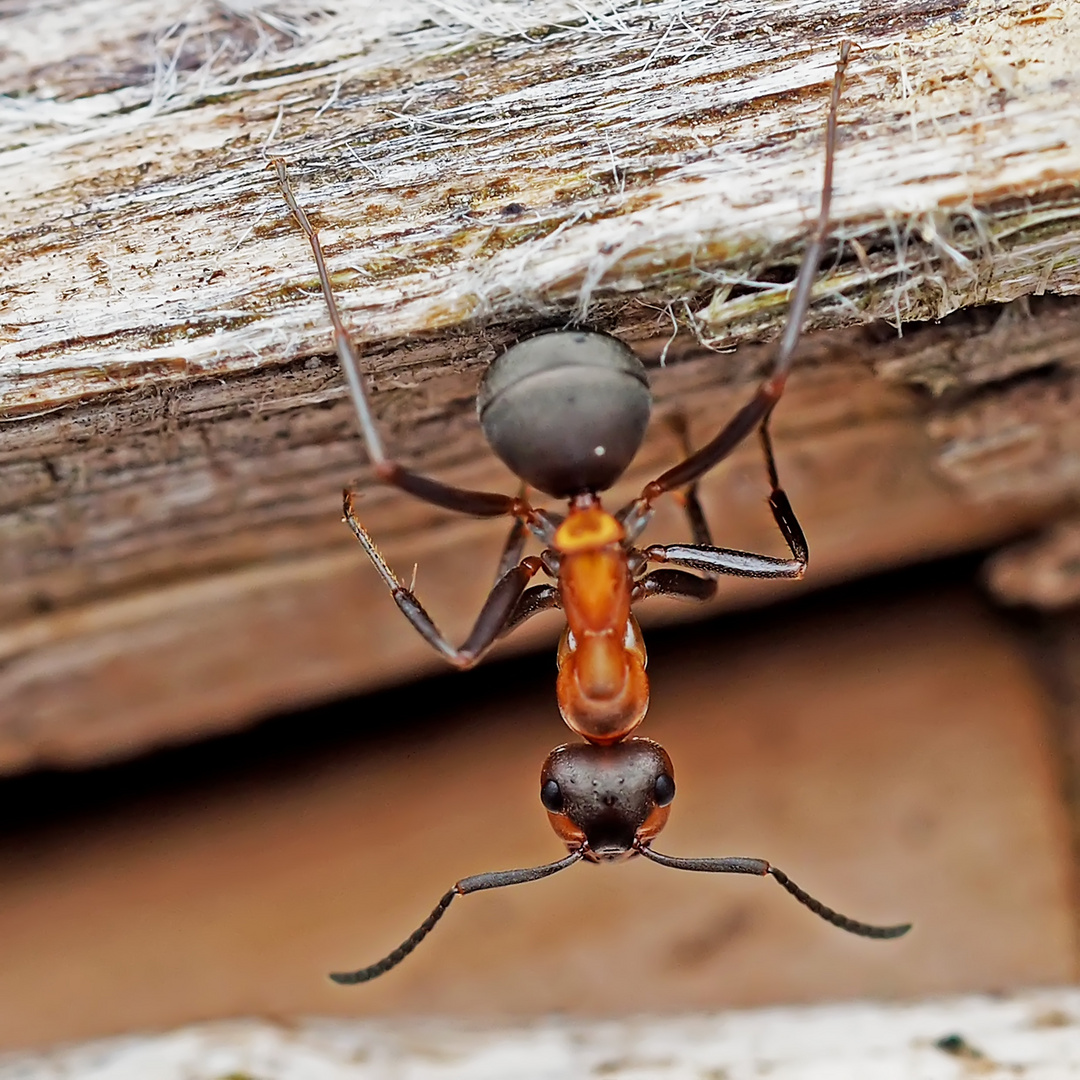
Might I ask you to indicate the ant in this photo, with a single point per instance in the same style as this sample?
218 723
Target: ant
567 412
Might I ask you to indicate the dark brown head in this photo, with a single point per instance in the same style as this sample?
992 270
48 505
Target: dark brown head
607 796
566 411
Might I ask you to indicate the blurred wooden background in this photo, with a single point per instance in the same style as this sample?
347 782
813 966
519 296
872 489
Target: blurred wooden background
888 745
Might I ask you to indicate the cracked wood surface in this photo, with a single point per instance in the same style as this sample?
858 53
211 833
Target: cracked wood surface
176 435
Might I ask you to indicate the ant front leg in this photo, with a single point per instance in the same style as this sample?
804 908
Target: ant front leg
508 604
477 503
676 583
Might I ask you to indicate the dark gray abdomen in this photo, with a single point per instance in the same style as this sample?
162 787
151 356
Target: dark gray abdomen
566 411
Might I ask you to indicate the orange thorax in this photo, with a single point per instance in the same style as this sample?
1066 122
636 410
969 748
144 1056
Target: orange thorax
602 687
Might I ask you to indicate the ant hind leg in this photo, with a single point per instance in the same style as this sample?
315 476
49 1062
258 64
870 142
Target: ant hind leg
462 500
755 413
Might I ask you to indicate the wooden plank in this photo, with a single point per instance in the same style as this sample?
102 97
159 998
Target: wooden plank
1033 1034
175 433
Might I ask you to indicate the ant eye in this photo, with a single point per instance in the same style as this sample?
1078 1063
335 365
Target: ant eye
664 789
551 797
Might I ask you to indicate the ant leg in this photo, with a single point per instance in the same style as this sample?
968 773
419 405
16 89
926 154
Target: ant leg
756 412
477 503
688 499
677 583
500 607
779 504
515 541
714 560
532 602
515 544
699 527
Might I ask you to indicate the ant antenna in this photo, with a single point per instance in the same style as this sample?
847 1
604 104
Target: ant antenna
497 879
760 867
494 880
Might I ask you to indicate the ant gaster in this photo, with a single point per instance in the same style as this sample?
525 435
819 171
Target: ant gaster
567 412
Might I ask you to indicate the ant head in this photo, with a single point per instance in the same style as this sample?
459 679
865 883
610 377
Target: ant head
566 411
607 797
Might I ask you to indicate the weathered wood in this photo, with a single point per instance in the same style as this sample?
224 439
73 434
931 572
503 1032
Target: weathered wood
1044 572
176 434
1033 1034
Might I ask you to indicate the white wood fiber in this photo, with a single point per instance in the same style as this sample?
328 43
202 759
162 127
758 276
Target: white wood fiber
1031 1036
661 153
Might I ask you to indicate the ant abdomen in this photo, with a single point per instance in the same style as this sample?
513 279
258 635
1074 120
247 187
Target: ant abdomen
566 411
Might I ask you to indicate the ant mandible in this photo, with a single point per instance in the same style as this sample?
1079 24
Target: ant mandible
567 412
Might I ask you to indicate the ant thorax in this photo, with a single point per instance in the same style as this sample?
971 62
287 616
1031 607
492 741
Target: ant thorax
602 687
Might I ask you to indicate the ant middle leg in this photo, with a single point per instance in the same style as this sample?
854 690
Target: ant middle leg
780 504
508 604
541 523
703 556
688 498
449 497
532 602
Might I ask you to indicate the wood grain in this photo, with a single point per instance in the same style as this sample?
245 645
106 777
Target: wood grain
175 433
994 1036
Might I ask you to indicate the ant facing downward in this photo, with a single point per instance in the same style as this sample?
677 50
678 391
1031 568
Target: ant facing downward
567 412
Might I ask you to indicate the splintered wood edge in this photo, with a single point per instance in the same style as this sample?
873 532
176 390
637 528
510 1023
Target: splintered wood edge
465 197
